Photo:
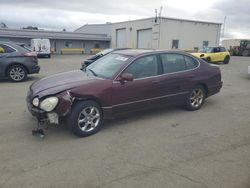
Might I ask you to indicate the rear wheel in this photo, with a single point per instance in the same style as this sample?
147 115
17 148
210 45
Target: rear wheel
17 73
226 60
196 98
85 119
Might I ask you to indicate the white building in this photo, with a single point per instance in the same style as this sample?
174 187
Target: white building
165 33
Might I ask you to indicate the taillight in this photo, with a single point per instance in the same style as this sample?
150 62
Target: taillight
30 54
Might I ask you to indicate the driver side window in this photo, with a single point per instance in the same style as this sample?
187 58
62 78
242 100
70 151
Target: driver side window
143 67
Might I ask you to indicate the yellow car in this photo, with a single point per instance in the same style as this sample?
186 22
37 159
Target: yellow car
213 54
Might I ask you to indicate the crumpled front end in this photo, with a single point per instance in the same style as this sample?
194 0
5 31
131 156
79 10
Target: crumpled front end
44 111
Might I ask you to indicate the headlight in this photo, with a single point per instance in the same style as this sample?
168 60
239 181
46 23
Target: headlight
35 102
49 104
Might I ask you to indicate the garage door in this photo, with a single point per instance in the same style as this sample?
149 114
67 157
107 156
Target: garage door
120 38
144 38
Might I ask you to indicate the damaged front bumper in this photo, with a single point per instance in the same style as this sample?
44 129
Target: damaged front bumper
42 116
62 109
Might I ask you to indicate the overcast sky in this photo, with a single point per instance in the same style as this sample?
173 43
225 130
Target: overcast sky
56 15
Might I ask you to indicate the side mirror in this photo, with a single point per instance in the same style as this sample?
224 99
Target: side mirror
126 77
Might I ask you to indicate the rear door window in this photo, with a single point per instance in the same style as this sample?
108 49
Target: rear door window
222 49
190 62
176 62
173 63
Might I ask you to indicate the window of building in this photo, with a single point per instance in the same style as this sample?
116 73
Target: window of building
68 44
6 49
175 44
97 45
143 67
205 43
173 63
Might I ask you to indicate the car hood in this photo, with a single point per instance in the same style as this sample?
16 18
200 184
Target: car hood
60 82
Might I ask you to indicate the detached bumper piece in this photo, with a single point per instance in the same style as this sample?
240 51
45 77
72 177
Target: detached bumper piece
38 133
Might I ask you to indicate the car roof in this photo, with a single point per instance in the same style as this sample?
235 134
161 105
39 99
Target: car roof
136 52
133 52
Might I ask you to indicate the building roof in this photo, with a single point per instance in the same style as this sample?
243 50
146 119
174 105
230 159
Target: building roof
24 33
95 29
169 18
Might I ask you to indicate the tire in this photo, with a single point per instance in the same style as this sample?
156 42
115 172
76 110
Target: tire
49 56
196 98
226 60
245 53
85 119
17 73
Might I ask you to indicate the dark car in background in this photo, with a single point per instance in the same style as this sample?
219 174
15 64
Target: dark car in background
93 58
123 82
16 61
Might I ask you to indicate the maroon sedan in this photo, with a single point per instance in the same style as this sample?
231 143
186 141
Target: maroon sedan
121 82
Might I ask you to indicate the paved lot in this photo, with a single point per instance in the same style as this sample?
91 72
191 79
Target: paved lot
165 148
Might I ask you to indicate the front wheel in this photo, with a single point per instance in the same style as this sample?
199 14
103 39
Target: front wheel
196 98
85 119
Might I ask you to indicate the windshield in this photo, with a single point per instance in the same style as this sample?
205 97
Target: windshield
104 52
206 50
108 65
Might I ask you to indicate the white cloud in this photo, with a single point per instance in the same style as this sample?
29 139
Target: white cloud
75 13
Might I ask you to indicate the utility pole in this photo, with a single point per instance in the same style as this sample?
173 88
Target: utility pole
224 25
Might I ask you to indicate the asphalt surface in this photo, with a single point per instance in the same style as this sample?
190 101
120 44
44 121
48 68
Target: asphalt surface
161 148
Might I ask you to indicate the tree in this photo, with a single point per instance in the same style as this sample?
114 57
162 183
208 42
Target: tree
3 25
30 28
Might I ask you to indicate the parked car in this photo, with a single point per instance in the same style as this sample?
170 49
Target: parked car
17 62
213 54
123 82
41 47
93 58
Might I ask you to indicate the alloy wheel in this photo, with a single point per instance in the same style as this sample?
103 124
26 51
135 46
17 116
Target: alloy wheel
89 119
197 97
17 73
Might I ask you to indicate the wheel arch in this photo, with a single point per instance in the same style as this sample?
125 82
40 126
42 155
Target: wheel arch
87 98
205 88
